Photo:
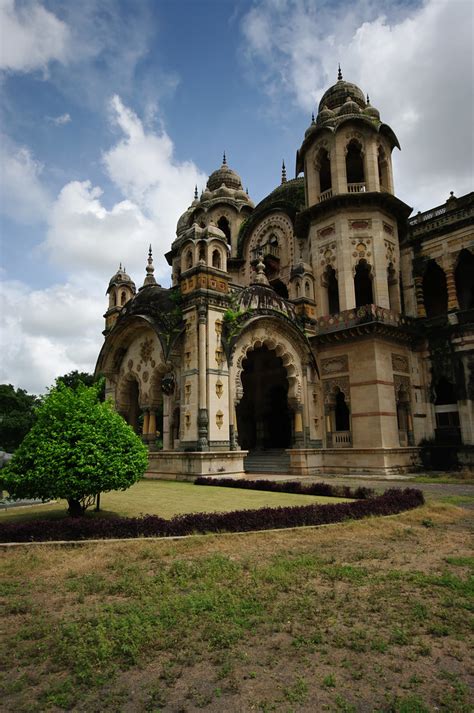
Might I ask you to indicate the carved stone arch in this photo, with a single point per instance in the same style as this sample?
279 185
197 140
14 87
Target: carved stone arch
122 390
354 137
155 391
277 223
264 332
333 386
364 261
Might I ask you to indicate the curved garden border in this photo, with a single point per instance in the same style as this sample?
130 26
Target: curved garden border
390 503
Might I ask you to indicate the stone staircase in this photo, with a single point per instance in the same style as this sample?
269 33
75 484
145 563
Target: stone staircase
273 460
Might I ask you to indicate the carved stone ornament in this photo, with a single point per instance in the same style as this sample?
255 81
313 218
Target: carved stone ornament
145 376
335 365
400 363
219 388
219 419
146 350
187 392
168 383
331 386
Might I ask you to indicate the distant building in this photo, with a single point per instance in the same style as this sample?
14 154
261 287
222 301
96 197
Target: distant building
323 330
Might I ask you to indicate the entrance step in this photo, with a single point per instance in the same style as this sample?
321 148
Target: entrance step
273 460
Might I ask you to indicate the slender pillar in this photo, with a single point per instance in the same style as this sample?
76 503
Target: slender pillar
453 303
299 425
152 423
420 299
232 415
203 418
306 427
166 422
146 421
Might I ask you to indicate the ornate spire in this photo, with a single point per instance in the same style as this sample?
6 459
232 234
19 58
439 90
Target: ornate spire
150 278
368 100
312 117
339 73
283 171
224 160
196 195
260 278
120 267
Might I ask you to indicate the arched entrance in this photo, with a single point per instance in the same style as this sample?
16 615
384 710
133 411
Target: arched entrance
263 414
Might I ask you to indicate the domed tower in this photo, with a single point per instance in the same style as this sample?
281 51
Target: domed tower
121 289
223 203
352 218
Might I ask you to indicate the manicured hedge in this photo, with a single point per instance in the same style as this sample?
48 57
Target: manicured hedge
93 527
290 486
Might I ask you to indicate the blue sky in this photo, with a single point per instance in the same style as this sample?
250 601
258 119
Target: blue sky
111 111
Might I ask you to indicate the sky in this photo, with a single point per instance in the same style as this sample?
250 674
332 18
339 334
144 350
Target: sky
113 110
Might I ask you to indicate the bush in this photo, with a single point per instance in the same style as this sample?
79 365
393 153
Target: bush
390 503
290 486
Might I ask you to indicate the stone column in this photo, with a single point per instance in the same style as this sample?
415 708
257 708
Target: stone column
152 423
232 415
299 438
306 424
146 421
203 418
453 303
166 423
420 300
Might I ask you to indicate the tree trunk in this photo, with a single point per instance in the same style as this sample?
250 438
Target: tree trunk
75 508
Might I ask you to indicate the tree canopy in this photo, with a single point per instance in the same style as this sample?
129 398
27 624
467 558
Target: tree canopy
17 415
77 448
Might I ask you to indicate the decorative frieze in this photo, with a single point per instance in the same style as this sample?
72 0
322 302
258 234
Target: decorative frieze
328 230
146 350
388 228
335 365
400 363
360 224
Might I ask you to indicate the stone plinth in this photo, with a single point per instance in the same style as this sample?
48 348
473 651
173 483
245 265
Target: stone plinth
172 465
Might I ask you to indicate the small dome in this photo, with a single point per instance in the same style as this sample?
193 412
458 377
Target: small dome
372 112
120 278
325 115
336 95
349 107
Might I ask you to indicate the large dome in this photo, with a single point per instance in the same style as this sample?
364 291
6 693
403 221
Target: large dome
224 175
336 95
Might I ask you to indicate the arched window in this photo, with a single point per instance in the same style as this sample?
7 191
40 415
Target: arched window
323 165
446 411
216 259
363 284
383 169
464 276
307 289
280 288
223 224
355 167
297 289
189 259
332 287
404 417
202 252
393 287
435 292
123 297
341 413
113 299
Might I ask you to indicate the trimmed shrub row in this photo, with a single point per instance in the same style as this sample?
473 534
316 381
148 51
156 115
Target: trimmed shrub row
290 486
85 528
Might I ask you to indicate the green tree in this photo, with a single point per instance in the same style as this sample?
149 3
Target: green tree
17 415
78 448
74 378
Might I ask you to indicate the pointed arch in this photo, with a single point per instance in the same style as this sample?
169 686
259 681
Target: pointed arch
435 291
363 284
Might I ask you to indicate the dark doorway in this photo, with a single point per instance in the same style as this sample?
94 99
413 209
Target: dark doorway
280 288
263 414
363 285
223 224
342 421
434 290
133 410
324 171
464 276
354 163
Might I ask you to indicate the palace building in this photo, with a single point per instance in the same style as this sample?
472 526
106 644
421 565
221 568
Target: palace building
323 330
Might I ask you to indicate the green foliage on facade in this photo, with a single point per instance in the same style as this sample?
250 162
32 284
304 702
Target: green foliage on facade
78 448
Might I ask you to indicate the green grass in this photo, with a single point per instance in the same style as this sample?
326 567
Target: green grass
169 498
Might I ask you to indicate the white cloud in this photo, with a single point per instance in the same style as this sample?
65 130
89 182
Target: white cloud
415 62
51 331
30 36
60 120
23 196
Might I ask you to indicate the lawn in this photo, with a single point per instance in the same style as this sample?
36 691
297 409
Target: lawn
371 615
169 498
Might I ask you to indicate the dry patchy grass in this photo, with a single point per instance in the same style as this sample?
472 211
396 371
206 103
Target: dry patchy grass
370 615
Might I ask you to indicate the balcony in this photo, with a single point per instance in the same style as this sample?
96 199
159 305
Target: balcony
356 187
361 315
266 250
342 439
325 195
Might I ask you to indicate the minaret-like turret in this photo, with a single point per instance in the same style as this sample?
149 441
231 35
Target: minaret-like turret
121 289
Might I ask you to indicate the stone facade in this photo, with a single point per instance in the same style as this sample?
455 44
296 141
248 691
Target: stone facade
324 321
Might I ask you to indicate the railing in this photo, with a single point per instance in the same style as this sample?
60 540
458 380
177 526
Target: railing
361 315
325 195
267 249
342 439
356 187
